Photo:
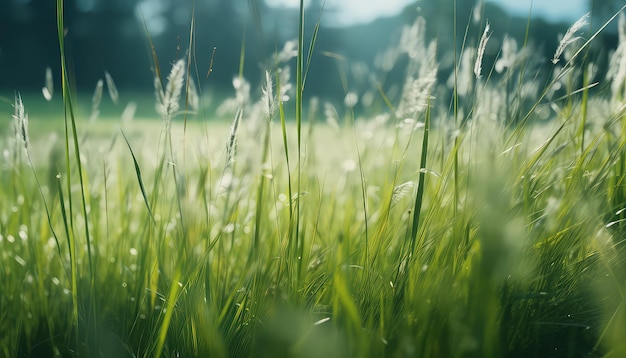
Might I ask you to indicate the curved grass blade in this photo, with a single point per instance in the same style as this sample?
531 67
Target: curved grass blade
139 179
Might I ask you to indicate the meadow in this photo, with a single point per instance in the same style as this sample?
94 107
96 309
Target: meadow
484 217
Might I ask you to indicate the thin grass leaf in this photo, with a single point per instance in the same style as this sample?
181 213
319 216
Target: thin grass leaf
139 178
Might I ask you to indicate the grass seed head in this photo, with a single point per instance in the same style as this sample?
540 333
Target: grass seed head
509 54
478 66
20 122
268 96
231 146
569 37
168 99
48 90
111 87
193 99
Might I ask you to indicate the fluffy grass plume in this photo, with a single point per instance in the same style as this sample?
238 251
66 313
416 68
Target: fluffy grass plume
111 87
20 122
481 51
168 99
48 89
570 37
231 145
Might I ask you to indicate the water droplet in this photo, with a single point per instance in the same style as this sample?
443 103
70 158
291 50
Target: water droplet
20 260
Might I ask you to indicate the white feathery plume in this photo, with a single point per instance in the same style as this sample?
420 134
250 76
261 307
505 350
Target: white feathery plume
413 39
332 117
192 95
111 87
477 12
569 37
284 78
401 191
20 122
416 93
481 51
48 90
129 112
289 51
231 146
268 96
242 90
97 94
96 99
168 100
621 27
617 69
617 65
508 55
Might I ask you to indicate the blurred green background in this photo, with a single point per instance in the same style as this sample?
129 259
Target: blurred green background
109 35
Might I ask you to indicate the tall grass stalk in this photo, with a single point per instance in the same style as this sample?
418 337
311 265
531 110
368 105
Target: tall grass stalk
298 244
70 122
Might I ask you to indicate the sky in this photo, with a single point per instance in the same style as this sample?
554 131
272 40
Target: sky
361 11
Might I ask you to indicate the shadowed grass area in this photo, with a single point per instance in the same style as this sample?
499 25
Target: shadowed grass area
486 230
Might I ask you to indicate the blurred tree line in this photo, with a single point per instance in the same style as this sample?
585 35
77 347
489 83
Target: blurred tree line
112 35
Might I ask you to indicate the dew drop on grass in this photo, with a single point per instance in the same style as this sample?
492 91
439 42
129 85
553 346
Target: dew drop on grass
20 260
229 228
323 320
56 281
124 284
133 251
348 165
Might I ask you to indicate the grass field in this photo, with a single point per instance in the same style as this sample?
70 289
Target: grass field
489 223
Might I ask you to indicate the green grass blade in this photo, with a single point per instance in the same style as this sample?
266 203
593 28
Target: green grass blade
139 178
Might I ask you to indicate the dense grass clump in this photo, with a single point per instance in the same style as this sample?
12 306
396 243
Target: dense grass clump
490 227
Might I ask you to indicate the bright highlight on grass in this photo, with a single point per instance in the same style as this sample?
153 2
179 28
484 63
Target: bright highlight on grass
490 229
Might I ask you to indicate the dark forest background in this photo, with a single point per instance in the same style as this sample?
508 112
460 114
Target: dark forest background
110 35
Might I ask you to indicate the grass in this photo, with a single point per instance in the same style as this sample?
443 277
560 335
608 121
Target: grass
416 232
